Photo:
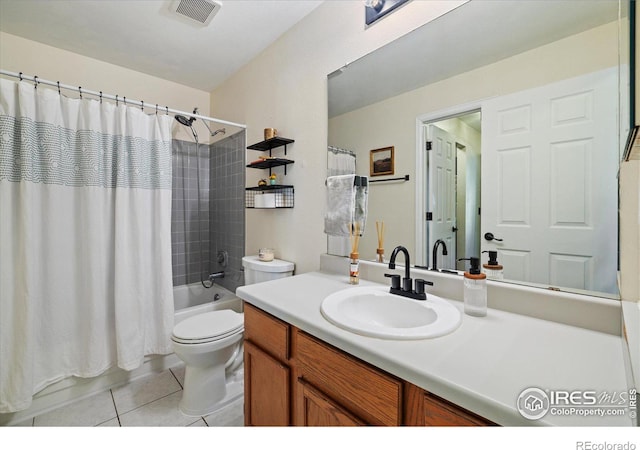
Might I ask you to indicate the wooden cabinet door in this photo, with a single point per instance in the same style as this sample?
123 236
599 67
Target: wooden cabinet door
362 389
424 409
314 409
266 385
439 413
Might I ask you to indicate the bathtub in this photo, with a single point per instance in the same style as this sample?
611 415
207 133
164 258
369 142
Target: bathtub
188 300
192 299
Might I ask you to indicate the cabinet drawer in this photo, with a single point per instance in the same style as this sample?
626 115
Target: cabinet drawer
439 413
362 389
267 332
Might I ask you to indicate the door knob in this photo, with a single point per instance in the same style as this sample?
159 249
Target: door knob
491 237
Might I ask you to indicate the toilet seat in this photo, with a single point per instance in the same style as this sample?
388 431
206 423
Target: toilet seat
208 327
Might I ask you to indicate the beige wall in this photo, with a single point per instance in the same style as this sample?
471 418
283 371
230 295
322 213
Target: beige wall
285 87
392 122
33 58
630 230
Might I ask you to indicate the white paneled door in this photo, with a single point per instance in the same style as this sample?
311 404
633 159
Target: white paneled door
549 182
441 206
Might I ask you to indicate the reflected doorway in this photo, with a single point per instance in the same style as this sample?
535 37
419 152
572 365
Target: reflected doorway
453 188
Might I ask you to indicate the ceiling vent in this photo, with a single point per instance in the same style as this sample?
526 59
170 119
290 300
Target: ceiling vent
200 11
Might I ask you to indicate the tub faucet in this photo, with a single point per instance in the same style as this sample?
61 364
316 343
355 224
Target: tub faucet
214 275
435 253
406 290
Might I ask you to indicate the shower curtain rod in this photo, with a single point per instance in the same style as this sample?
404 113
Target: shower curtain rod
37 80
340 150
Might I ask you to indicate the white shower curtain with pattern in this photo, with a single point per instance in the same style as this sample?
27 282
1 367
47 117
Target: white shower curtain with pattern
85 238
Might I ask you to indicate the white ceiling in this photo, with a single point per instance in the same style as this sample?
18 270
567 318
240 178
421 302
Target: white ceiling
144 35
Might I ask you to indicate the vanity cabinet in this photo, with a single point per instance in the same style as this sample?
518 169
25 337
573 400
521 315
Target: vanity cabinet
293 378
267 373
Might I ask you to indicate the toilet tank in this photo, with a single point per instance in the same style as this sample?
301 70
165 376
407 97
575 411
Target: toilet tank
256 271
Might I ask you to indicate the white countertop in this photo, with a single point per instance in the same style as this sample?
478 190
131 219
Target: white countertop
483 366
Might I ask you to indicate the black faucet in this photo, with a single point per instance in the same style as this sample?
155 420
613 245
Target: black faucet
406 290
434 257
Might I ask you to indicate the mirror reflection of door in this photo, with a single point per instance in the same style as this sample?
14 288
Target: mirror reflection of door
453 184
441 201
549 182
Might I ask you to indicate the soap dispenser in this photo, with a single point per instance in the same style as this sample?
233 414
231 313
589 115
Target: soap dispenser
492 269
475 289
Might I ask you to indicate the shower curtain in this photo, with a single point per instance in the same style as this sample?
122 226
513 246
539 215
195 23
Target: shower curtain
340 162
85 238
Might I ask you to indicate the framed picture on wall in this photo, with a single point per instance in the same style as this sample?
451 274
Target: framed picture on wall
381 161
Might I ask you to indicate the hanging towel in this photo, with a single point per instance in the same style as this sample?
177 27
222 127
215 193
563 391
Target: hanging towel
347 200
341 199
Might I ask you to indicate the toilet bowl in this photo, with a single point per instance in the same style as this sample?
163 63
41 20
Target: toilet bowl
210 345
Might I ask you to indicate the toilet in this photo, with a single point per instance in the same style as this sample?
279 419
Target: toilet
256 271
210 345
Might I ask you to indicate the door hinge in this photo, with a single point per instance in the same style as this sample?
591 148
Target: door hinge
429 216
428 146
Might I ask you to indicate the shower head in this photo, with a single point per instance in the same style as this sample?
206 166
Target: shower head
184 121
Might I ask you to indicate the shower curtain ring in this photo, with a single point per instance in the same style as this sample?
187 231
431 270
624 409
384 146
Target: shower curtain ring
59 88
167 110
125 101
80 90
156 109
20 75
35 81
117 101
142 105
101 97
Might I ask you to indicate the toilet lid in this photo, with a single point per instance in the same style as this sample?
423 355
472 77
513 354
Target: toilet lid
209 325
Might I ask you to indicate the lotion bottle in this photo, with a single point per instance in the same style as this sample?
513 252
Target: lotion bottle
475 289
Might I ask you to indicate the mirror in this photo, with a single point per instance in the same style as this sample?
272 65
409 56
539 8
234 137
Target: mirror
486 75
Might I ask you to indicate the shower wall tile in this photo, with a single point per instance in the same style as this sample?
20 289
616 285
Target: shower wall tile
196 240
189 227
226 207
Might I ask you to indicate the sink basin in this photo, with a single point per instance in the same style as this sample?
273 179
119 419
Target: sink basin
373 311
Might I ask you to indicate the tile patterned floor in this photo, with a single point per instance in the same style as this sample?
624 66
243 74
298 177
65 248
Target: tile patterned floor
149 401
